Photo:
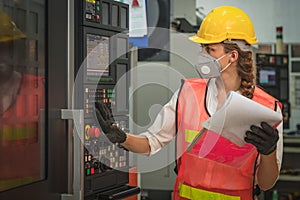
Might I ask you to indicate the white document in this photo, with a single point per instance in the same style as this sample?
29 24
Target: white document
236 116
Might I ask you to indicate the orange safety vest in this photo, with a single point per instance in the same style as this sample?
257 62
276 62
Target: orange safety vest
214 168
20 139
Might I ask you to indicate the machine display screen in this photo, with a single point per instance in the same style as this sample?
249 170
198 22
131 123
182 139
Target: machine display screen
267 76
97 49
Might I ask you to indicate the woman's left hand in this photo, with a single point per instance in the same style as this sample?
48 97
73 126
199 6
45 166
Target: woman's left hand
264 138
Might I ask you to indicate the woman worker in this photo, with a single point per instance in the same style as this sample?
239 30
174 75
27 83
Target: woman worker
226 35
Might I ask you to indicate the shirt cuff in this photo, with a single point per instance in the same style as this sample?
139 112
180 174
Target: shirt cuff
154 144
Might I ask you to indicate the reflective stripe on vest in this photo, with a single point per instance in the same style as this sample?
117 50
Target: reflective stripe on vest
10 183
189 192
189 135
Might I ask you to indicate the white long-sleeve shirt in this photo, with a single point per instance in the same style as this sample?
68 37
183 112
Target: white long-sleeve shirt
163 130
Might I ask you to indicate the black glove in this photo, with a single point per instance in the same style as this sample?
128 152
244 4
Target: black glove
264 138
107 123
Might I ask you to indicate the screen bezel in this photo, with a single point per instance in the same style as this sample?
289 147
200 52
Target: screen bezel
110 78
104 41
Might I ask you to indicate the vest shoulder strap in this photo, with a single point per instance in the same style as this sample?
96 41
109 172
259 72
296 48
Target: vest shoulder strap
266 99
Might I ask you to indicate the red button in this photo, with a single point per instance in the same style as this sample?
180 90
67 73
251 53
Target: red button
97 132
91 131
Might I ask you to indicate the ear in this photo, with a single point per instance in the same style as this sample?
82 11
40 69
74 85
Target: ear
234 56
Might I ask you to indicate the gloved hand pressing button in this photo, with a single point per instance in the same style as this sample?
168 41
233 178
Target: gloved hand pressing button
264 138
107 123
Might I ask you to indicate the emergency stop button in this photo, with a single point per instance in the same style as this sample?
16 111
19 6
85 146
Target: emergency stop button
94 132
97 132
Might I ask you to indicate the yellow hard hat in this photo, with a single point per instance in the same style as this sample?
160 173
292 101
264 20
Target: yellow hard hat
225 23
8 29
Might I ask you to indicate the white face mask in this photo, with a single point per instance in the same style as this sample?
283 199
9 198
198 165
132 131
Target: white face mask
209 67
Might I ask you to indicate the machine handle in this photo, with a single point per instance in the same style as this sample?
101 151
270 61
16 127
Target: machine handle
76 153
119 193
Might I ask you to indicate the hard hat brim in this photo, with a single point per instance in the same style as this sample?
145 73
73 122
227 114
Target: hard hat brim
199 40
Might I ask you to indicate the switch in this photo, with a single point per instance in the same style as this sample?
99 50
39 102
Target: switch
92 171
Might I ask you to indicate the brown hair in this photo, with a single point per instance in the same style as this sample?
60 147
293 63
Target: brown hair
246 69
